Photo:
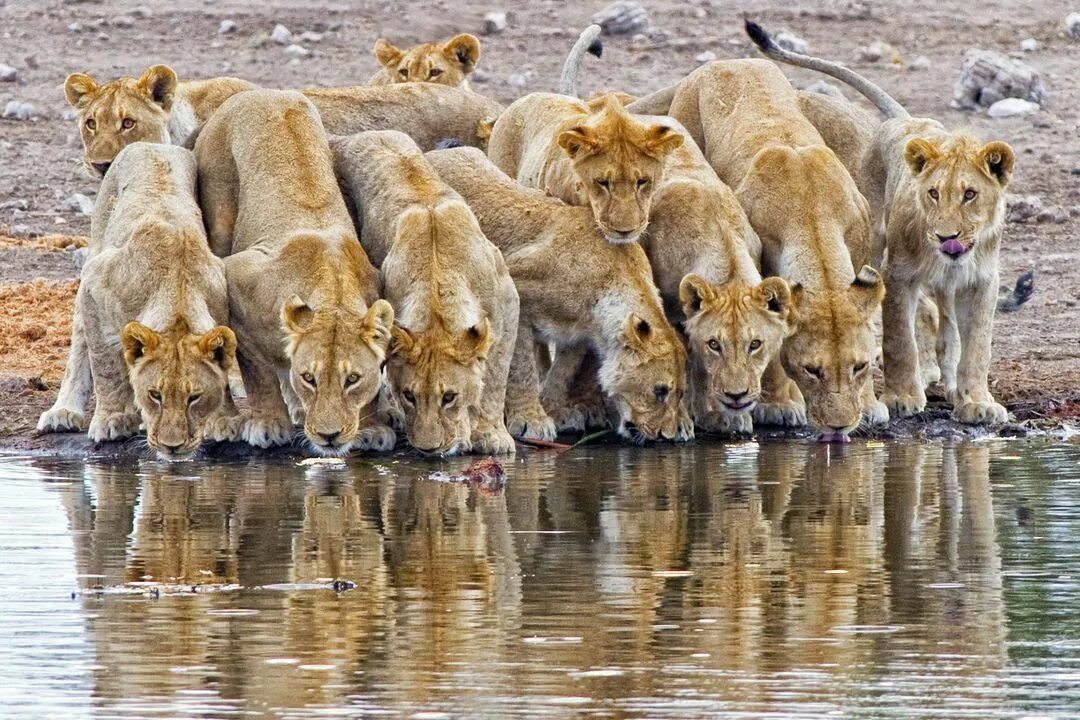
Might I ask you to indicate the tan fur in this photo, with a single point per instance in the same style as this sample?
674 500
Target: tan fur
151 108
606 159
303 294
146 335
449 63
603 297
812 221
457 305
844 126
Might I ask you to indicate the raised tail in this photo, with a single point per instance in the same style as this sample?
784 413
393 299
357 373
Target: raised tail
657 103
588 42
768 47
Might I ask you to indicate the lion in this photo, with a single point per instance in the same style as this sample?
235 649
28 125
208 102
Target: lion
303 295
149 335
813 223
576 288
151 108
449 63
458 307
938 203
606 159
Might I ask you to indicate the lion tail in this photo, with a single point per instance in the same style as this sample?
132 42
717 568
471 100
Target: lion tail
768 47
588 42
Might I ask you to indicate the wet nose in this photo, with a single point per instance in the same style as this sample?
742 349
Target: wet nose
737 396
329 437
102 167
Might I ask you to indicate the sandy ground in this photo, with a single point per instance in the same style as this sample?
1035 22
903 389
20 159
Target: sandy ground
1036 368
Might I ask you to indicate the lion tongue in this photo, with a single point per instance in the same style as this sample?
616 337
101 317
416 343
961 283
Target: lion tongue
952 246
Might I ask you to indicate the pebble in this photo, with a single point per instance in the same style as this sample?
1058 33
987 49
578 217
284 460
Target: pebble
920 63
494 22
988 76
516 80
479 76
309 36
1021 207
876 51
74 27
705 57
824 88
1054 216
81 203
1012 107
792 43
8 73
623 18
1072 24
297 51
19 110
281 35
69 115
226 27
122 21
1030 45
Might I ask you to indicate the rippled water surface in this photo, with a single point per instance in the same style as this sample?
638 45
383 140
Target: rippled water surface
734 581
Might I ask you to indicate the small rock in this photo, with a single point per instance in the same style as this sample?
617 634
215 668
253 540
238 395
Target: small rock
1030 45
311 37
623 18
281 35
920 63
293 62
19 110
1019 208
226 27
824 88
658 35
122 21
18 204
69 114
8 73
81 203
479 76
705 57
988 76
1072 24
516 80
876 51
102 37
792 43
494 22
74 27
1011 107
297 51
78 257
1054 216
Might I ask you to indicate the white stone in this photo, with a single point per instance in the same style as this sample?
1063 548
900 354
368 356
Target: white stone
1012 107
988 76
226 27
8 73
1030 45
19 110
80 203
704 57
1072 24
920 63
281 35
297 51
494 22
876 51
623 18
792 43
310 36
516 80
824 88
69 115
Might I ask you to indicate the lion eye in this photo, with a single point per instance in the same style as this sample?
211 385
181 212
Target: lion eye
403 72
193 398
155 396
714 345
933 193
448 398
91 124
813 371
859 368
642 182
127 123
754 344
969 195
308 378
351 379
604 184
661 392
435 72
409 397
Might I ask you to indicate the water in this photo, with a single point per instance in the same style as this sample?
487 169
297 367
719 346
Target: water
727 581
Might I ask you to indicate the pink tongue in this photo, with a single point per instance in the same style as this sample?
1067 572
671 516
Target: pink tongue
952 247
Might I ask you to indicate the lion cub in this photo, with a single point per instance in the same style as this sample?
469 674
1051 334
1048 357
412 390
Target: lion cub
302 293
576 288
606 159
458 308
146 336
938 203
449 63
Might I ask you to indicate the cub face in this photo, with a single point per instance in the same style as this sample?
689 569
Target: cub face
829 354
336 359
959 191
646 380
733 332
120 112
179 381
618 161
450 63
437 377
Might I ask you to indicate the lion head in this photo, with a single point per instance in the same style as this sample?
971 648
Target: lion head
734 331
829 354
645 378
179 380
120 112
437 377
447 64
336 358
618 160
960 191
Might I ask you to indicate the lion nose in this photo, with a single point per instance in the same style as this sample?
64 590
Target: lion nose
173 448
102 167
737 396
329 437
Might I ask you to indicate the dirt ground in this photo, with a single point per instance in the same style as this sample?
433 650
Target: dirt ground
1036 369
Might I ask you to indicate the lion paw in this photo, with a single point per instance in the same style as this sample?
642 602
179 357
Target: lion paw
265 432
225 428
782 414
533 424
980 413
684 426
60 419
377 438
568 419
904 405
493 441
726 423
876 413
113 426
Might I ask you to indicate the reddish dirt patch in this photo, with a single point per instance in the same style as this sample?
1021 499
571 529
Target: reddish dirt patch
37 331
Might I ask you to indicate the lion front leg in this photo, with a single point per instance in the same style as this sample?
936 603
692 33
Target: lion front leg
972 401
375 433
266 422
525 416
781 402
67 413
555 396
948 341
115 415
489 433
904 395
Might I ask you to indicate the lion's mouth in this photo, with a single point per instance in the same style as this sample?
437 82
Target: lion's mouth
739 407
951 246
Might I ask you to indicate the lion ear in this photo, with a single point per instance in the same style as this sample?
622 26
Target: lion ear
775 294
637 332
401 341
693 293
578 142
387 55
138 341
868 289
296 315
378 323
79 89
998 158
219 347
465 49
475 342
918 152
159 83
661 140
